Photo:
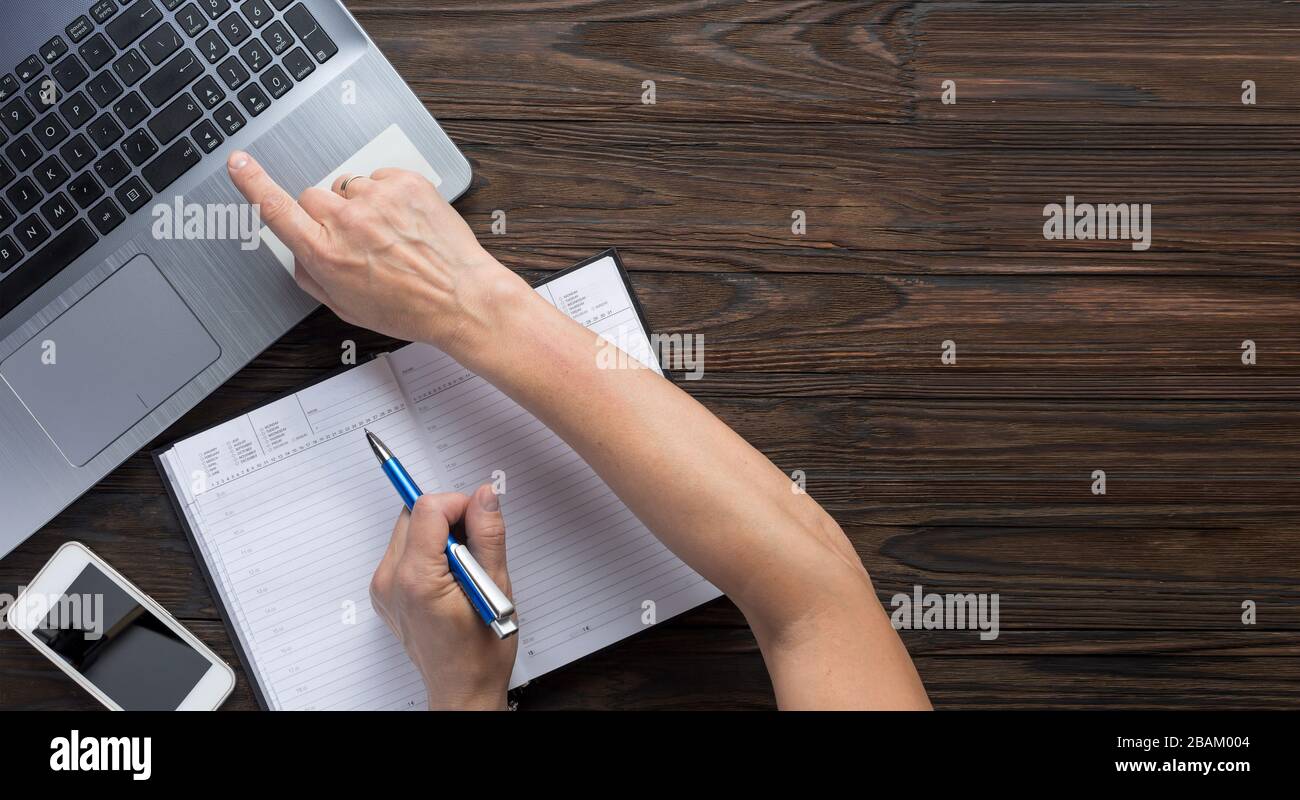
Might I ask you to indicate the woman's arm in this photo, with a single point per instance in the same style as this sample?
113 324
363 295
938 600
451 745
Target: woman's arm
397 258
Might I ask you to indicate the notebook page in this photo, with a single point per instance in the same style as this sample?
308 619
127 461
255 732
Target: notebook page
293 514
583 567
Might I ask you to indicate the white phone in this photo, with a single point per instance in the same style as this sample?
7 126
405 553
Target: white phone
115 641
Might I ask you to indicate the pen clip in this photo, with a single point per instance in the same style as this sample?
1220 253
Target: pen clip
500 606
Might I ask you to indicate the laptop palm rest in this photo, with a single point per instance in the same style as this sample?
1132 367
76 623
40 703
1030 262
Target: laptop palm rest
109 360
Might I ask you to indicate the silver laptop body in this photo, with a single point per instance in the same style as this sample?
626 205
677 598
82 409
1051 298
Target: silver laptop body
100 356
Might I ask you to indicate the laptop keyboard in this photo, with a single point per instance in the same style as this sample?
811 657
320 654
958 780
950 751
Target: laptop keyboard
122 105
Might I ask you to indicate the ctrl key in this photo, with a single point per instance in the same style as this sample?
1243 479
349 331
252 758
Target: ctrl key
10 255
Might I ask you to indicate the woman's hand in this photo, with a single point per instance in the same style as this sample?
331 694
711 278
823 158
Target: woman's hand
392 255
465 666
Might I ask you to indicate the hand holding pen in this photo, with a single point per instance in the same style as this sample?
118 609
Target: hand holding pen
489 601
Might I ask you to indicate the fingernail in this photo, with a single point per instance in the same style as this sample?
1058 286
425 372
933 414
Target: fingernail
489 500
238 159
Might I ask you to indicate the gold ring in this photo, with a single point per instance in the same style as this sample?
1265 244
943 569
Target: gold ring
343 190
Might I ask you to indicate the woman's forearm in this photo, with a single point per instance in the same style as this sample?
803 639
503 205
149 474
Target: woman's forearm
715 501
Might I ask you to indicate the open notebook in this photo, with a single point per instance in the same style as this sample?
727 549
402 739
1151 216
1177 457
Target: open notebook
290 514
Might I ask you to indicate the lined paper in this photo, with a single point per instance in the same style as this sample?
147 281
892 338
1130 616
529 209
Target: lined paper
292 516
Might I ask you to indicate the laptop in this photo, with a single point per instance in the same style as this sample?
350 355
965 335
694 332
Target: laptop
131 284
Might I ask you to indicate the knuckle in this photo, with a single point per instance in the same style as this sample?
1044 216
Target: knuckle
275 205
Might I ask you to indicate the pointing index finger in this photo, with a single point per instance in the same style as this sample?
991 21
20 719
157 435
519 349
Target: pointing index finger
281 213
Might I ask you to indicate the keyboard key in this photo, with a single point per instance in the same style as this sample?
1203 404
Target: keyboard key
54 49
104 131
51 174
213 47
70 73
255 55
85 190
214 8
112 168
131 110
43 265
133 195
233 27
206 136
106 216
6 175
253 99
298 63
135 20
104 89
8 85
229 118
173 163
42 95
24 195
131 67
50 131
139 147
173 76
16 115
191 20
257 12
10 255
77 152
103 11
172 120
233 73
96 51
277 37
32 233
30 68
161 42
7 217
58 211
209 92
280 4
79 28
23 152
276 82
77 110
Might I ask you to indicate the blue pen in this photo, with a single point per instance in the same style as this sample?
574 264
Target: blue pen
487 598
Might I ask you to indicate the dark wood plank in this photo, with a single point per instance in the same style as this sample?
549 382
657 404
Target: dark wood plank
866 189
1168 62
555 69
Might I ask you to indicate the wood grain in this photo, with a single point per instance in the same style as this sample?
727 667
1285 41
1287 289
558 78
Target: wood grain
924 225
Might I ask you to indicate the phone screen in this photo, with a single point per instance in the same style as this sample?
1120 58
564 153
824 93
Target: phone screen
120 646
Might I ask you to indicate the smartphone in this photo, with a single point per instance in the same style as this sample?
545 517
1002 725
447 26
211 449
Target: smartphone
115 641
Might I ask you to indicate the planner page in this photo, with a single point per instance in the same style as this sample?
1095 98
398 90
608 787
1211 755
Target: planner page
292 514
585 571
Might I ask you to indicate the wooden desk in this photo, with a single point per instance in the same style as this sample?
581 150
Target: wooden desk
924 224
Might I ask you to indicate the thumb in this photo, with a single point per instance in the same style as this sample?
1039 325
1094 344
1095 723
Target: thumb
426 536
485 529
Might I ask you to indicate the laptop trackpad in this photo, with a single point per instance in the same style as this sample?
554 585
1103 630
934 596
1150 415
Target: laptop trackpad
109 360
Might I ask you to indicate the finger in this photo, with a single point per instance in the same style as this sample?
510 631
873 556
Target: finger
282 215
358 186
388 564
431 522
385 173
320 204
485 528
